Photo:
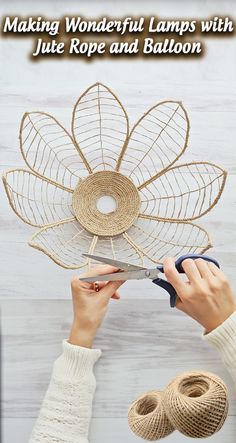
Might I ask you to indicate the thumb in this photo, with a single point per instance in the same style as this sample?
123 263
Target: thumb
108 291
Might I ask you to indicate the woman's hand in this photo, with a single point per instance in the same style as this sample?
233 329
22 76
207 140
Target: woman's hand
207 296
90 306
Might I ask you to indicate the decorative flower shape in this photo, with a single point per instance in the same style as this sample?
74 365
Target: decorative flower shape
155 201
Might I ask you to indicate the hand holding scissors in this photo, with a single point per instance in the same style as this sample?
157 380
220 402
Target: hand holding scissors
134 272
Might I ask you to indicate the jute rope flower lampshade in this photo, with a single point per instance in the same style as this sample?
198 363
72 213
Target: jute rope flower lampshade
156 200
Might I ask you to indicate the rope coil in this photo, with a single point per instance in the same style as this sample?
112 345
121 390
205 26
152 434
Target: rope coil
147 417
195 404
99 184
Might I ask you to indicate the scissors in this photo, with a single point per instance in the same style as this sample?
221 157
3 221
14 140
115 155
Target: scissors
134 272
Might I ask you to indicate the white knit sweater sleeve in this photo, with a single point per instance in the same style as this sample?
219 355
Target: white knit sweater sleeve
224 339
66 410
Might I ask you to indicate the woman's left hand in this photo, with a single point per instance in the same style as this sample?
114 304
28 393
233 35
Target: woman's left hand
90 306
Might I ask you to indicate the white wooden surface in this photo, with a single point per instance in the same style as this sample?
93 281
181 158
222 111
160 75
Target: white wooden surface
144 342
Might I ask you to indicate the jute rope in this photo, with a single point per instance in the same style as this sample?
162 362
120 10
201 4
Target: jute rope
106 183
156 199
147 417
195 404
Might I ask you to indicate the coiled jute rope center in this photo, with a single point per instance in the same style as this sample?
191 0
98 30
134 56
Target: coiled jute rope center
100 184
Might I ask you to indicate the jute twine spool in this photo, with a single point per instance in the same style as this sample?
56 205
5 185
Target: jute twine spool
196 403
147 418
106 183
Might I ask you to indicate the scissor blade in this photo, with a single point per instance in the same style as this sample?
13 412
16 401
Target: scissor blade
141 274
115 263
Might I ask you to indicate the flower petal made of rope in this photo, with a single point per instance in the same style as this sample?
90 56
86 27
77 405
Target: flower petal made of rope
64 243
49 150
157 140
36 200
159 239
100 127
184 192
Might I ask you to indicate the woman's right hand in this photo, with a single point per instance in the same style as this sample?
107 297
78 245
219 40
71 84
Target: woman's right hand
207 296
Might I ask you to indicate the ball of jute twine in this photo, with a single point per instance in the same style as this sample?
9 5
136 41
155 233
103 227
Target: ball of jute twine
106 183
194 403
147 418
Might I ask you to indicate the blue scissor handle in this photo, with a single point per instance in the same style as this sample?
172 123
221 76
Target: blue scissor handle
178 264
